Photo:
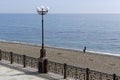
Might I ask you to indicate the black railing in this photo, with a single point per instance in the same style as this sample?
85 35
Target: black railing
31 62
17 58
5 55
24 60
57 68
78 73
67 71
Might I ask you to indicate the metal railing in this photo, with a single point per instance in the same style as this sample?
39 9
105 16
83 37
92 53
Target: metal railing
24 60
67 71
78 73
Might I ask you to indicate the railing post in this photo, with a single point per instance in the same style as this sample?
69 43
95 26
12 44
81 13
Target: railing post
11 57
114 76
0 54
65 69
24 61
87 73
46 65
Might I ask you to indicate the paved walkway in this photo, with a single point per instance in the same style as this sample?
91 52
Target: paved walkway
16 72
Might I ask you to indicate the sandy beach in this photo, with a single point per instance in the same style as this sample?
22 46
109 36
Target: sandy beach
99 62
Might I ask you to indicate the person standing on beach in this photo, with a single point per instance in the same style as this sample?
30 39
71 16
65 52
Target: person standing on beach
84 50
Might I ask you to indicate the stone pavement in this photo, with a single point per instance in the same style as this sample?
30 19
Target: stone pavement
16 72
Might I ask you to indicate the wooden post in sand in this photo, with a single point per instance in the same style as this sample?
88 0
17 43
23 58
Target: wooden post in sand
0 55
11 57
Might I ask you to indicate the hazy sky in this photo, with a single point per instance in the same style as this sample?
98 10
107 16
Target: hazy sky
61 6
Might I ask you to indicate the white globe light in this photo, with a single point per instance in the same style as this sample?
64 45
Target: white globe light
42 10
38 8
42 7
47 8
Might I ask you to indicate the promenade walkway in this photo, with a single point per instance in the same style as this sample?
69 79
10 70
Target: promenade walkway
16 72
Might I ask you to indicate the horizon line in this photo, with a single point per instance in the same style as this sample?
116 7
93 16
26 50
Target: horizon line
61 13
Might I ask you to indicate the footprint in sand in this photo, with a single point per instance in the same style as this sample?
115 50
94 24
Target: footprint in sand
59 53
90 59
112 64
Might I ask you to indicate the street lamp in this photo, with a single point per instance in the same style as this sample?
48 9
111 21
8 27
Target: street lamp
42 11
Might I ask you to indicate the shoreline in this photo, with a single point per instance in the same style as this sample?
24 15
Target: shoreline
64 48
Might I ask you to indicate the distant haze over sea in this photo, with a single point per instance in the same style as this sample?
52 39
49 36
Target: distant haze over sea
98 32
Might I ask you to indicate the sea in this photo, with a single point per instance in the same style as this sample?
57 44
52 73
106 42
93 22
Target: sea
98 32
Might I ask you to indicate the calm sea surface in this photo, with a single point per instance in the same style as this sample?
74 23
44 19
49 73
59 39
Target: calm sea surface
98 32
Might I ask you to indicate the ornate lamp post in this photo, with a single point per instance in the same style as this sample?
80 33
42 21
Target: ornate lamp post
42 11
42 64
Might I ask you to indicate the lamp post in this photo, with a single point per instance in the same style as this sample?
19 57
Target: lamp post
42 11
42 64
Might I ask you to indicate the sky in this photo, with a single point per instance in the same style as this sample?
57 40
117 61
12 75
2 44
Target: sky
61 6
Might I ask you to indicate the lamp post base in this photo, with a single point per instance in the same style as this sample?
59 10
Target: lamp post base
42 65
43 61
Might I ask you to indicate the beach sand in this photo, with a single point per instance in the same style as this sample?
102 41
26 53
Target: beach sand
98 62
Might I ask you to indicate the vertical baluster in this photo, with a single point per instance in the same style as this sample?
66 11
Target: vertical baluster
11 57
21 59
100 76
76 74
5 56
65 69
0 54
55 67
31 62
45 65
17 59
114 76
24 61
87 73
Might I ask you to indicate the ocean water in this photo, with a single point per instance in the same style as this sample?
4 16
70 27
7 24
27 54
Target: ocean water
98 32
